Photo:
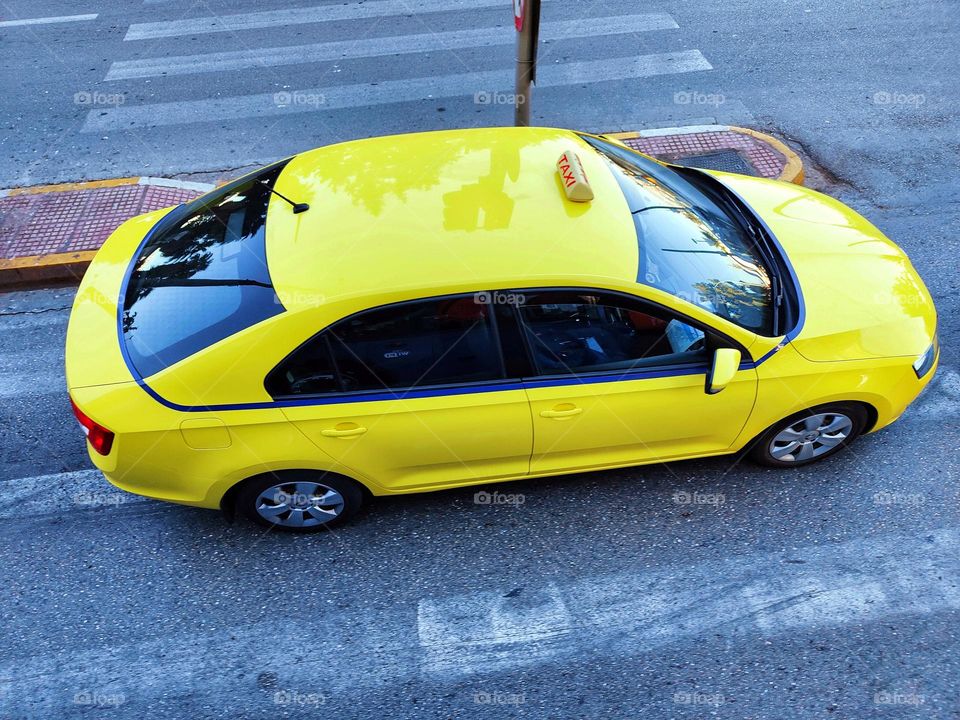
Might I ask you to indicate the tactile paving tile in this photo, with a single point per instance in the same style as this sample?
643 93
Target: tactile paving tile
75 220
761 159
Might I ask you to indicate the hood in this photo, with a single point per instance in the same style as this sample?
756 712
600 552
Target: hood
862 297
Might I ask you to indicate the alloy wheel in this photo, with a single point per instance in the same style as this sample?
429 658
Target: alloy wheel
811 437
299 504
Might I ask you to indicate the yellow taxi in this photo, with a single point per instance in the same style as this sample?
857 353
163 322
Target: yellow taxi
436 310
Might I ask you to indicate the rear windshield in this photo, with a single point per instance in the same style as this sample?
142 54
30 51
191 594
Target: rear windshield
201 276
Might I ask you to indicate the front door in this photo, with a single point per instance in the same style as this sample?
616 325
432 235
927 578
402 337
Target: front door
620 382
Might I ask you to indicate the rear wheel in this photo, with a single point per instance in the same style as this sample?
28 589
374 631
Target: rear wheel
300 501
811 435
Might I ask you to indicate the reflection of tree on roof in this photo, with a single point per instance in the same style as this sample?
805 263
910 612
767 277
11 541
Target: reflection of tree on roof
389 171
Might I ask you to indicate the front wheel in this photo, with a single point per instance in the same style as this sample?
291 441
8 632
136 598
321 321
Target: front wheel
810 435
299 501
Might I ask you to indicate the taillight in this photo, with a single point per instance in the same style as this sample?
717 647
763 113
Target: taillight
98 436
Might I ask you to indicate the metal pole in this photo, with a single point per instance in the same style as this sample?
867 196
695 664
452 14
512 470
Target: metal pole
526 62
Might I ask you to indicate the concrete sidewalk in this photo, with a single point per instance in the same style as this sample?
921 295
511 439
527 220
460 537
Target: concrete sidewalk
51 233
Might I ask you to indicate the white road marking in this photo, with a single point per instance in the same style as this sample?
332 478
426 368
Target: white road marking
492 626
179 184
867 580
871 579
382 46
298 16
393 91
47 20
60 494
30 384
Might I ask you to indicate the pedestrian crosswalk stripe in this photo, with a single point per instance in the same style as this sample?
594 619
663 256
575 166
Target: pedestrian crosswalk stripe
47 20
60 494
487 631
381 46
299 16
392 91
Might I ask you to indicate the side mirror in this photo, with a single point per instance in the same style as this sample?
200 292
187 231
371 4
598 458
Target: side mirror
726 362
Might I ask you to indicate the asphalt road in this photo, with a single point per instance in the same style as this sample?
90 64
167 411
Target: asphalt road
828 592
177 86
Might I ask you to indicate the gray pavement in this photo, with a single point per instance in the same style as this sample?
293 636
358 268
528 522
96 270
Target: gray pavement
827 592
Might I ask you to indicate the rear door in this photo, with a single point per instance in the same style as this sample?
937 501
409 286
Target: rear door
411 396
618 381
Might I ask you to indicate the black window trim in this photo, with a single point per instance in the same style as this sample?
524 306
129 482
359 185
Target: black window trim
715 338
398 392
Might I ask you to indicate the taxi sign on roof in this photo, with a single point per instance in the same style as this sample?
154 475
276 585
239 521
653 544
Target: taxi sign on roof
575 183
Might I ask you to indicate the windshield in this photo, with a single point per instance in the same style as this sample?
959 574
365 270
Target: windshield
691 245
202 275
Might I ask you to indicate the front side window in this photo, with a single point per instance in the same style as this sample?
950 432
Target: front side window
695 242
202 275
572 332
441 341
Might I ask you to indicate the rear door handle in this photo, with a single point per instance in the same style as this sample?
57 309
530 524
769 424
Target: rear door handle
566 412
343 432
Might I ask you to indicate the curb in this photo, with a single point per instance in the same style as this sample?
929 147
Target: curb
793 167
26 270
34 269
113 182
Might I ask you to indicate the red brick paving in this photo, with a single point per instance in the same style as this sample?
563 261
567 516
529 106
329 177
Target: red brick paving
764 159
75 220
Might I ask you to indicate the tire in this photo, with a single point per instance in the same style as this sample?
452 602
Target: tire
300 501
811 435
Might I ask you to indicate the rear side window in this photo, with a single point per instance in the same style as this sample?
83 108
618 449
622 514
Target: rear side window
441 341
202 276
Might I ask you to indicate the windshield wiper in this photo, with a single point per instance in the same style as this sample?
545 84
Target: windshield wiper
205 282
657 207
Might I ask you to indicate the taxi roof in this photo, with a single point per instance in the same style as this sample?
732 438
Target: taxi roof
446 211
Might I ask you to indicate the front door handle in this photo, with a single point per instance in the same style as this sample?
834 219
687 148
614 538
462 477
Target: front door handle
561 412
344 430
